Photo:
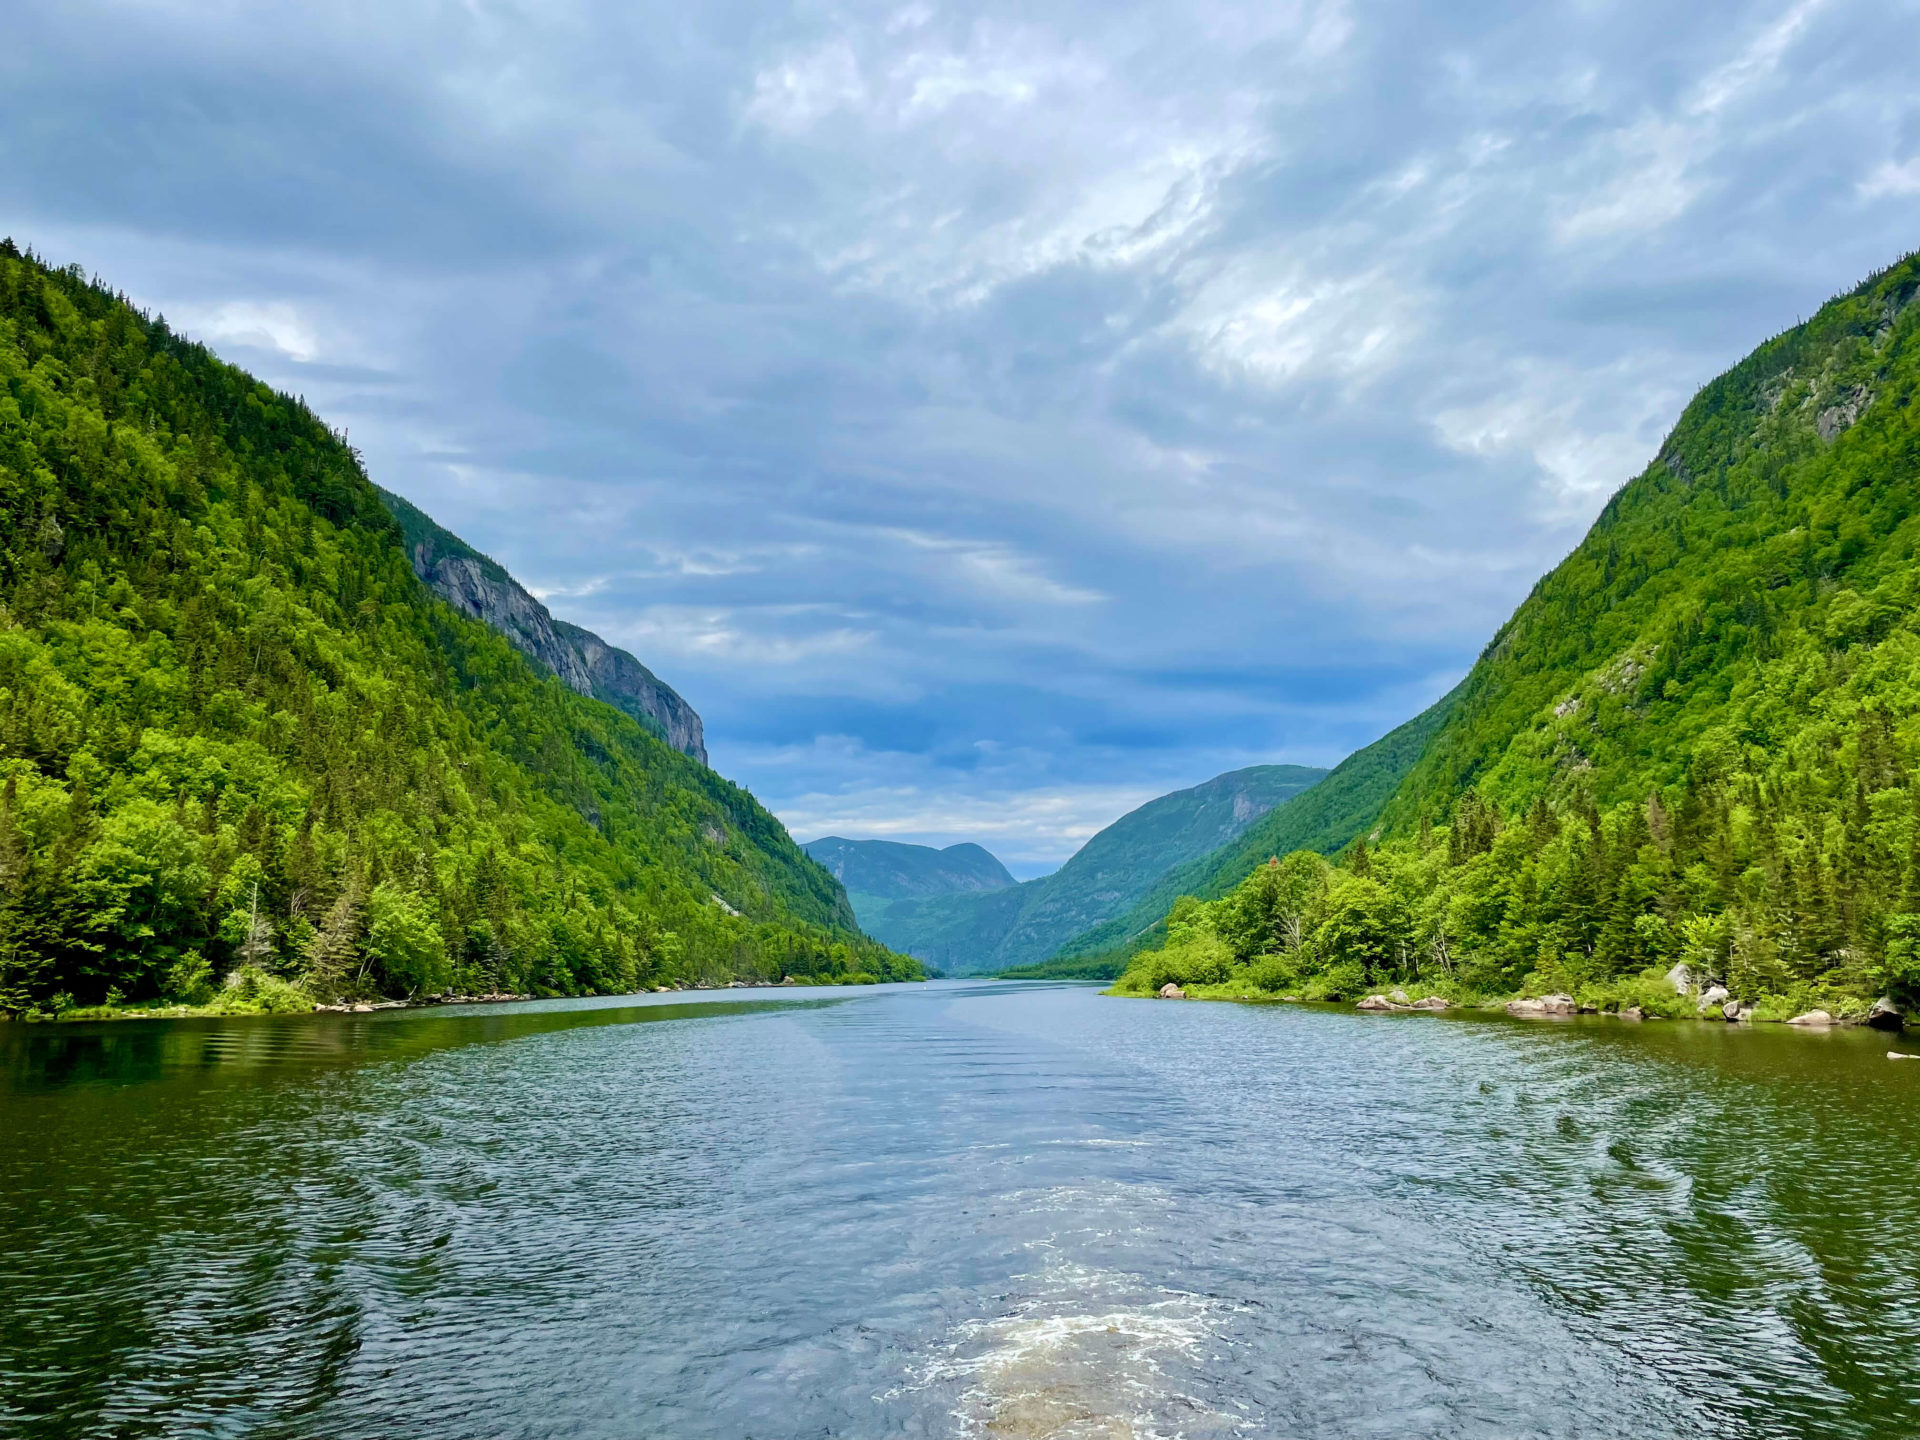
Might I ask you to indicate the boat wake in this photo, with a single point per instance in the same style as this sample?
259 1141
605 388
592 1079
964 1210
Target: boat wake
1087 1355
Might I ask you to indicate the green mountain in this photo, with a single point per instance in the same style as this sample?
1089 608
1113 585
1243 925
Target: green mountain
477 586
248 756
878 872
1695 742
1325 818
1002 929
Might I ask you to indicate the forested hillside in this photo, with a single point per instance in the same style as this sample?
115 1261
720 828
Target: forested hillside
248 757
1698 739
1326 818
1008 928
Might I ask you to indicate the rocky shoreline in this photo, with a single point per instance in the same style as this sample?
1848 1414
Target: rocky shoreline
367 1007
1714 1003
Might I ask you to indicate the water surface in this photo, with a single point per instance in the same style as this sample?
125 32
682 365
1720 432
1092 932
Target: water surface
954 1209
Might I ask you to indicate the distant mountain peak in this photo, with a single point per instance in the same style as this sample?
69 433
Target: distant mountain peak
890 870
1018 925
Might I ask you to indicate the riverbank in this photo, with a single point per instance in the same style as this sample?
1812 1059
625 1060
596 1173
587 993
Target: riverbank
1713 1005
285 998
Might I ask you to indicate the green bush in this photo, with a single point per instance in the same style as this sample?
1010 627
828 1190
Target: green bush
190 979
250 990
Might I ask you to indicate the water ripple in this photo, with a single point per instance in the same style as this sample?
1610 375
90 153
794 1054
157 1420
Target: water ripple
954 1210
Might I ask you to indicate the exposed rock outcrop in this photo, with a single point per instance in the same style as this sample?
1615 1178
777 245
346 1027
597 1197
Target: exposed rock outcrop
1545 1005
1885 1015
586 664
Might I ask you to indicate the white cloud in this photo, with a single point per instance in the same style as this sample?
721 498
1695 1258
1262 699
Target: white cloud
1651 168
1545 413
764 635
998 571
277 325
1652 182
1275 330
1890 178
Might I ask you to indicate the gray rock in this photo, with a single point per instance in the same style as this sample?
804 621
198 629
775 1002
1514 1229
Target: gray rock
1884 1015
1813 1018
481 589
1399 997
1171 991
1731 1010
1375 1002
1713 996
1633 1012
1432 1002
1680 977
1845 409
1545 1005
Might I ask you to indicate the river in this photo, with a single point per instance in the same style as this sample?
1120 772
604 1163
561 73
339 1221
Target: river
954 1209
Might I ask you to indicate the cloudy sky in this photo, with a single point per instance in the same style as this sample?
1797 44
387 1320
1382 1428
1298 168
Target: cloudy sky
988 416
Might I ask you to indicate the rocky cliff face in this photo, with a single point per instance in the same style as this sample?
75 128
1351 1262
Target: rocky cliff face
476 586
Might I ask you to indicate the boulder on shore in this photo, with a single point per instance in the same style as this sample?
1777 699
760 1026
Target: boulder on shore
1171 991
1680 977
1399 997
1545 1005
1633 1012
1432 1002
1730 1010
1375 1002
1714 997
1883 1015
1815 1018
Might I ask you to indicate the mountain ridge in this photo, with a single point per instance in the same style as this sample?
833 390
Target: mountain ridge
480 587
1006 928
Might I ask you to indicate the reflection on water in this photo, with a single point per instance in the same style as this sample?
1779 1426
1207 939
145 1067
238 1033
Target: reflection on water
955 1209
140 1051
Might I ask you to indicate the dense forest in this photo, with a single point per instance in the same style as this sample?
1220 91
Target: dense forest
249 760
1697 741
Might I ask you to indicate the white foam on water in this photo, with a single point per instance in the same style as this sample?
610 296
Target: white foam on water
1084 1355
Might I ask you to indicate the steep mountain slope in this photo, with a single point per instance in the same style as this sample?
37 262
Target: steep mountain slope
240 739
476 586
968 934
1325 818
878 872
1773 533
1698 739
